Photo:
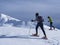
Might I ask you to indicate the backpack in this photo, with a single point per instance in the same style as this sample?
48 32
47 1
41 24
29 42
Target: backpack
40 19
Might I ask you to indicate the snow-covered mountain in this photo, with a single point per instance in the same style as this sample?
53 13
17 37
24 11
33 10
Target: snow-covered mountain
5 19
8 20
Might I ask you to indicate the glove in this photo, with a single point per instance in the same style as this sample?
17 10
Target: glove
32 20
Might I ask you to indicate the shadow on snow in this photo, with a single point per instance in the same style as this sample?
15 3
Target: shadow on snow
20 36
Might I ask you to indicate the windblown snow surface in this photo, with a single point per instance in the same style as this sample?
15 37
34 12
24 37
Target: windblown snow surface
10 35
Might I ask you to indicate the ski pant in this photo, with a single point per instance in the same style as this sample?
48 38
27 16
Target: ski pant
51 25
41 26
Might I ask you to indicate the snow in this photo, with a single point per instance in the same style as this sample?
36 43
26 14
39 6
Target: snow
20 36
6 18
10 35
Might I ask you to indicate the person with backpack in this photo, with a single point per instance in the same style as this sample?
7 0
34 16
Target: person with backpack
51 23
40 21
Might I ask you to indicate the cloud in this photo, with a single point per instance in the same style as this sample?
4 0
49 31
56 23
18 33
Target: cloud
30 5
45 6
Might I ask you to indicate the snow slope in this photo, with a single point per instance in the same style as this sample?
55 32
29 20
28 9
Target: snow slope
20 36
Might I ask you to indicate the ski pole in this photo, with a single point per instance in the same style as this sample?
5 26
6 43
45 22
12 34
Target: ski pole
30 27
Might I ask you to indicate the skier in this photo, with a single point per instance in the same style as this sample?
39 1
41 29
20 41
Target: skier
39 20
51 23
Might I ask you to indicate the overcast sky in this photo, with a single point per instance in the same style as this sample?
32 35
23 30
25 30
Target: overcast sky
25 9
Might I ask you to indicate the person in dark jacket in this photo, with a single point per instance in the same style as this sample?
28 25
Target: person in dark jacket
40 21
51 23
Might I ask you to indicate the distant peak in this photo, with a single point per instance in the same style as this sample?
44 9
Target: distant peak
6 17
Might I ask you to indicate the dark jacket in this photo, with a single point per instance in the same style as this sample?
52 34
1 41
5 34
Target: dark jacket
39 19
